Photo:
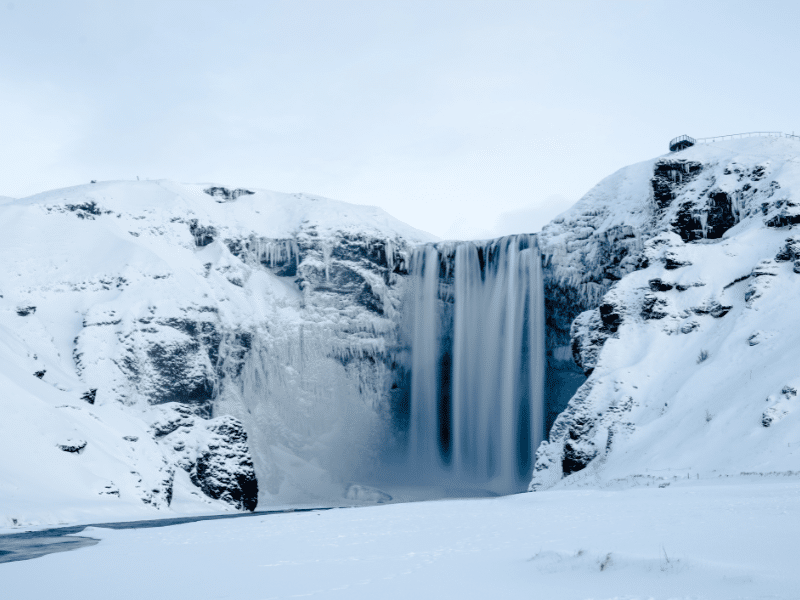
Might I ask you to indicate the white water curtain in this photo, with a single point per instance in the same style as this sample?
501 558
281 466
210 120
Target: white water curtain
497 366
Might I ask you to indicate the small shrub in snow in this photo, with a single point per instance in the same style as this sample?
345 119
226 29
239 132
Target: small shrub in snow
668 564
702 356
606 562
709 416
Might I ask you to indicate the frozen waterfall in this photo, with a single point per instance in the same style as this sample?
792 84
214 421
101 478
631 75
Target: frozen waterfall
477 362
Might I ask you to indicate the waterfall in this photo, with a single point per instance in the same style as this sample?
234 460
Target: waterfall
477 362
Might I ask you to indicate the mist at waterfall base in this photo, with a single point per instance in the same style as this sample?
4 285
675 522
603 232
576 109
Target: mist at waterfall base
456 411
474 325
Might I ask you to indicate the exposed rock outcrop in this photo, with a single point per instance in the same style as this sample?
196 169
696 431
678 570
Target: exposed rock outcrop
73 446
223 194
214 452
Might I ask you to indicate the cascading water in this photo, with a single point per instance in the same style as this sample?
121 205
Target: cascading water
477 362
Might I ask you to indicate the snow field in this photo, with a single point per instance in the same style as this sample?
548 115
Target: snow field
730 539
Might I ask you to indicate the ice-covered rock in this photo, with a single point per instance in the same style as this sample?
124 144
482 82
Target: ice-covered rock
364 493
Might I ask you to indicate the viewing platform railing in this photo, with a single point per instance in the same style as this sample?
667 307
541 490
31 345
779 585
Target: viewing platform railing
748 134
681 142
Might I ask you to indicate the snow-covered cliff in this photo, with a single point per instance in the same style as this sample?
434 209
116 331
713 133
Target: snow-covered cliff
190 345
676 277
196 347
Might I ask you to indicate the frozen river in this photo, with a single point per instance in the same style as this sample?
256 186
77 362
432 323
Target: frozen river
33 544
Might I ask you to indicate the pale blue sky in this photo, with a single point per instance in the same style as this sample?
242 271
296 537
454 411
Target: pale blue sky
460 118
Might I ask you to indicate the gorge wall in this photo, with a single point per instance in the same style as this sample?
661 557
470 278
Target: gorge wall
196 347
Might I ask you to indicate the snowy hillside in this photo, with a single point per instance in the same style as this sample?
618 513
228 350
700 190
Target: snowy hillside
189 346
194 347
687 266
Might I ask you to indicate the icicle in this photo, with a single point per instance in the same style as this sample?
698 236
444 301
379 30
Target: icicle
326 259
704 223
272 253
389 250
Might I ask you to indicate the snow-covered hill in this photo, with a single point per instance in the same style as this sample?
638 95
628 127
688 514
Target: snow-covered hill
687 264
196 347
189 346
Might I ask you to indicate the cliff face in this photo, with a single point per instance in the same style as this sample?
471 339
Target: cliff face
207 345
186 346
672 278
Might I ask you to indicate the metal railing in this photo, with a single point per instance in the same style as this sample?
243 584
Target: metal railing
748 134
681 142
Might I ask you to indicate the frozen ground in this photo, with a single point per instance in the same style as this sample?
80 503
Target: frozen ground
724 538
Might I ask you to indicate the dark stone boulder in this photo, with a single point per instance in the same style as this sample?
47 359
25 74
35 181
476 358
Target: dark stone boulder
177 378
653 307
591 329
786 216
717 212
790 250
610 317
672 262
713 308
690 327
577 453
73 446
224 469
656 285
223 194
669 176
87 210
203 235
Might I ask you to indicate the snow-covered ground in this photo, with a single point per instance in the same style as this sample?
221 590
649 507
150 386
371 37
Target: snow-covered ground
721 538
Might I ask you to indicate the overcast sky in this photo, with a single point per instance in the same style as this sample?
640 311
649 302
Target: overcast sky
465 119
